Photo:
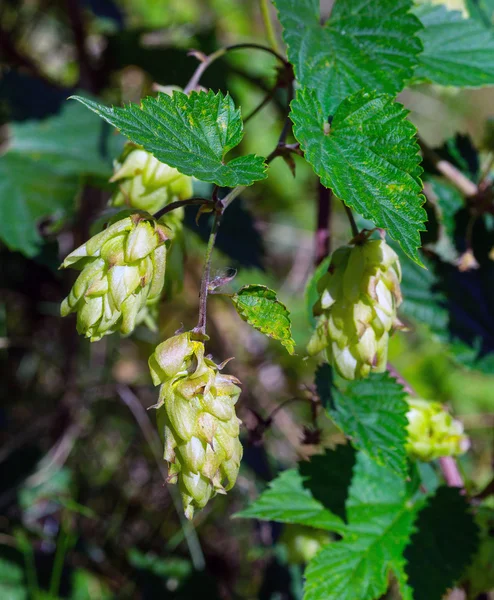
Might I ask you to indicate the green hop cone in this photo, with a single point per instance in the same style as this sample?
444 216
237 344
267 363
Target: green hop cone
432 431
196 420
122 275
147 184
356 309
303 543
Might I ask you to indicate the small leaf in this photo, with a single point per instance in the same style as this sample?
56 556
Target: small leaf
259 307
369 158
370 45
457 51
287 500
372 413
443 545
191 133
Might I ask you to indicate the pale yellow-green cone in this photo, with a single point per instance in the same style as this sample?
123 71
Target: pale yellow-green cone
303 543
356 309
122 275
196 421
432 431
147 184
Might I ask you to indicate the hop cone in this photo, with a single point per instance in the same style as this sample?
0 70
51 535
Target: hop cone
356 309
197 421
122 275
303 543
432 431
147 184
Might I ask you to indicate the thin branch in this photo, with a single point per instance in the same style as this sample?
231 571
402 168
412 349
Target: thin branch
151 437
351 218
268 24
323 234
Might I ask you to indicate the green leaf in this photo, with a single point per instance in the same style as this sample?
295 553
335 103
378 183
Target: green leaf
443 546
85 586
29 191
369 158
12 585
380 518
372 413
288 501
370 45
457 51
191 133
259 307
482 10
311 294
41 172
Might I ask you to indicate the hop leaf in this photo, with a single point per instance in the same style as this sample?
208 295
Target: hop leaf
122 275
196 420
357 304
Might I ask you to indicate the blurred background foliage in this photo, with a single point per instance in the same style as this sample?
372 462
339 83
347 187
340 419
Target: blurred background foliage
84 511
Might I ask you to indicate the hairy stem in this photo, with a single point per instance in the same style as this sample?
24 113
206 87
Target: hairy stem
204 291
179 203
351 218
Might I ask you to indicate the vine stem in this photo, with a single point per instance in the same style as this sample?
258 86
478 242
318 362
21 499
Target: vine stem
180 203
351 218
204 291
207 61
323 235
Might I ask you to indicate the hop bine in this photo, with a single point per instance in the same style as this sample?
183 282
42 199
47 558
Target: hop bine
196 420
356 309
147 184
122 275
432 431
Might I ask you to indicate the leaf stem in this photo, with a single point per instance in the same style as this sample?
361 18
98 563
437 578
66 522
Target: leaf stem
268 24
179 203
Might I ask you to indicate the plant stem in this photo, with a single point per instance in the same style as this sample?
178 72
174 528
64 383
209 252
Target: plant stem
266 17
323 234
179 203
353 224
203 294
63 544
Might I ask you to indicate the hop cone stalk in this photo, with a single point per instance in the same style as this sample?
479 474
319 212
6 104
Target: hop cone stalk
147 184
196 420
356 309
122 275
432 431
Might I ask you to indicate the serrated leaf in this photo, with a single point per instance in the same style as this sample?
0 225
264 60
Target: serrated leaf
29 191
370 45
457 51
259 307
191 133
442 547
482 10
369 158
288 501
380 518
372 413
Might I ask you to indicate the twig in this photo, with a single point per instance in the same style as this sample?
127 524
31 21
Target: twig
86 73
323 234
151 437
452 174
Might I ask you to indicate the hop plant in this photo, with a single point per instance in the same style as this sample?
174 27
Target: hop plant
432 431
356 309
303 543
122 275
196 420
147 184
